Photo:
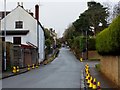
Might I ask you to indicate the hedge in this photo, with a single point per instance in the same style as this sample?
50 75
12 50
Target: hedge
108 41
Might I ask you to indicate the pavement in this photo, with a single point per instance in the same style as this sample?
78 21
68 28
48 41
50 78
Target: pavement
64 72
105 82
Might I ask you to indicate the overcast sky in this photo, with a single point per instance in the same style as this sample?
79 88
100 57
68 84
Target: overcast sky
56 14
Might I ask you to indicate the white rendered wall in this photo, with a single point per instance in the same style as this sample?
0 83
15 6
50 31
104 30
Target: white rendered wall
41 44
29 23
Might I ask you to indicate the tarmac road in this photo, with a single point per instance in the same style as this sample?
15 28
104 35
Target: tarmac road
63 72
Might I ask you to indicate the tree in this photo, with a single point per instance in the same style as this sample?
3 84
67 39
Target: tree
116 10
95 15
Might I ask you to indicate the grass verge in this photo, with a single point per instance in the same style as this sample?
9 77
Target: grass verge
97 66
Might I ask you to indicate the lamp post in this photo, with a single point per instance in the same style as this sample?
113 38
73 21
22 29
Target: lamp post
86 44
5 34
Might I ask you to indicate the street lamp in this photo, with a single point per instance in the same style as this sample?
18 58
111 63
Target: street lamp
87 44
5 34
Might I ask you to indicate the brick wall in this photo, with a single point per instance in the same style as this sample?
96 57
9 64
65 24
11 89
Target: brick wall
93 55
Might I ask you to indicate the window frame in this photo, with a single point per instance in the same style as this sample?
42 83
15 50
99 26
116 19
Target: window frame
17 40
18 24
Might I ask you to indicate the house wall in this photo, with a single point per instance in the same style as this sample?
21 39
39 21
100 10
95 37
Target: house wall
41 44
29 23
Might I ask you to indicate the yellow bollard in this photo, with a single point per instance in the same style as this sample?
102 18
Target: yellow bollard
87 76
18 69
14 70
81 59
28 68
94 84
98 86
87 67
88 81
33 67
91 82
86 70
36 66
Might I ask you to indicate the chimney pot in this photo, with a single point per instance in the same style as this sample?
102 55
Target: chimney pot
37 12
18 3
22 4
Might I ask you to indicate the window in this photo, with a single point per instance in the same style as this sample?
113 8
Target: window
17 40
3 38
19 24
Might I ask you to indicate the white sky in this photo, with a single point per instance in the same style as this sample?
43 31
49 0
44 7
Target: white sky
56 14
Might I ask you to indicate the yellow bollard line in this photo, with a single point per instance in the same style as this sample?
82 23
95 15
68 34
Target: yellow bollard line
94 84
88 81
91 83
98 86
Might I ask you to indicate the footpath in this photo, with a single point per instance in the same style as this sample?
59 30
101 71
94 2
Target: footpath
105 83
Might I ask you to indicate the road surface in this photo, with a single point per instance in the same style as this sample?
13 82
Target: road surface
63 72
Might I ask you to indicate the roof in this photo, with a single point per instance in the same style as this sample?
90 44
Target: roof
30 13
16 32
26 46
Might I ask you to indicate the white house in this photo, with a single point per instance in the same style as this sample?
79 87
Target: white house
23 28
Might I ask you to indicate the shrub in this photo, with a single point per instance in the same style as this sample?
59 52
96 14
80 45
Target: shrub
108 41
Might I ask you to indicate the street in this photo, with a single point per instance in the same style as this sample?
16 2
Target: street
63 72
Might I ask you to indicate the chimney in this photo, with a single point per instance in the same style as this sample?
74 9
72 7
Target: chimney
18 3
37 12
22 4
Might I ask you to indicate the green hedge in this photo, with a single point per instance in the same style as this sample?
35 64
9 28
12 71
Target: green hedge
108 41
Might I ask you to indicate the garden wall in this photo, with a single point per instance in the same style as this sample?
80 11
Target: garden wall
93 55
110 67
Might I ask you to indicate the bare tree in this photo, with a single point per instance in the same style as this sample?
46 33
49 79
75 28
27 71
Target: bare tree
116 10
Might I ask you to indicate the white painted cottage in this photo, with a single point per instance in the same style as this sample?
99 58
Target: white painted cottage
22 28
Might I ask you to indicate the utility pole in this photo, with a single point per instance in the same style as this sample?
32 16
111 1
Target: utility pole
82 45
86 44
5 34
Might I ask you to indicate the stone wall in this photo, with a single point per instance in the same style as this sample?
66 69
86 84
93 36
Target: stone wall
110 67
